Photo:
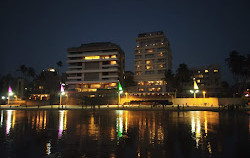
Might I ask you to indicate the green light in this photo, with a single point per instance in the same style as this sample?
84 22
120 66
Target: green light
120 87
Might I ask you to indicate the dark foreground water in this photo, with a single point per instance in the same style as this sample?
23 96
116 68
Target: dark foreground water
124 134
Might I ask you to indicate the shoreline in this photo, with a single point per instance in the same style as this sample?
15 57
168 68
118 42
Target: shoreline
120 107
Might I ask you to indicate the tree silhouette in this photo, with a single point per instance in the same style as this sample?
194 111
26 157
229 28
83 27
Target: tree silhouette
23 69
31 72
239 66
171 80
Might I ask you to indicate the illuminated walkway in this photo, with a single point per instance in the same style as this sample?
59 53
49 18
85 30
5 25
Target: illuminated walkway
120 107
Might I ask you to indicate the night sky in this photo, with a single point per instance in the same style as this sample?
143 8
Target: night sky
38 32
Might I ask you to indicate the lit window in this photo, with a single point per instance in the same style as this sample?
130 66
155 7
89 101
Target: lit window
200 76
161 54
150 83
206 71
149 50
140 83
158 82
95 86
161 66
198 81
88 90
40 87
199 71
113 56
141 89
153 89
138 67
148 61
113 62
138 73
112 84
216 70
92 90
105 57
149 67
92 57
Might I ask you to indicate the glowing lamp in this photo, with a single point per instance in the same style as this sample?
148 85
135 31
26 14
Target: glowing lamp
10 91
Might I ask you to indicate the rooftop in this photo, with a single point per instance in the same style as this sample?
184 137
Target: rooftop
95 46
150 34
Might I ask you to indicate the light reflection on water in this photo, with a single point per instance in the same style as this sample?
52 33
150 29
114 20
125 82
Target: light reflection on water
125 133
62 122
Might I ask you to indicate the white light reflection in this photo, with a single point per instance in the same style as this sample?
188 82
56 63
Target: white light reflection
48 148
1 122
62 122
196 127
119 124
9 121
192 124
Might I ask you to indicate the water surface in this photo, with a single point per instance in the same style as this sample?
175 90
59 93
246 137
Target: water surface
119 133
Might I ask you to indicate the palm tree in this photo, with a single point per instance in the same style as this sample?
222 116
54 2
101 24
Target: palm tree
170 79
59 64
236 64
239 66
182 76
23 69
31 72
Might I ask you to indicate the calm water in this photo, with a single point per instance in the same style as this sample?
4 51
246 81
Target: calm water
124 134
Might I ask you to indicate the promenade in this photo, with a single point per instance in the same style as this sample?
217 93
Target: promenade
121 107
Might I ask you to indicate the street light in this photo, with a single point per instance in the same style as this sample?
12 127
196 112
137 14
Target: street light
10 93
194 92
120 91
126 96
62 92
196 88
204 94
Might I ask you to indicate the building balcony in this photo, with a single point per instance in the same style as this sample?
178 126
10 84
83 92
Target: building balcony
74 67
95 70
92 54
74 77
86 82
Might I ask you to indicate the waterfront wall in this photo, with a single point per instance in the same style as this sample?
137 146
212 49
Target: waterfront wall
189 101
196 101
209 101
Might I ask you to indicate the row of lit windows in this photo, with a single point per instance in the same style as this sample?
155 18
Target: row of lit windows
206 71
150 83
150 72
149 61
147 45
149 67
99 57
94 87
150 89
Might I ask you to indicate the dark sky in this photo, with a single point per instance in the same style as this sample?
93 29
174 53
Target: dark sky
38 32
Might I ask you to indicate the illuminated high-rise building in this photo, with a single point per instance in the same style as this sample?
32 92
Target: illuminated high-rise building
95 66
152 58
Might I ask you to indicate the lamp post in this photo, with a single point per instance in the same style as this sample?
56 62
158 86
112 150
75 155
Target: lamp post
10 93
62 92
126 96
194 92
204 94
196 88
120 91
